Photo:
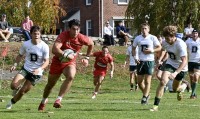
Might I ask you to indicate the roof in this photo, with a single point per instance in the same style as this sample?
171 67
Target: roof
72 14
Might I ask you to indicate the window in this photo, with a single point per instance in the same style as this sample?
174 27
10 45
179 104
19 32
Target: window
123 1
88 2
88 27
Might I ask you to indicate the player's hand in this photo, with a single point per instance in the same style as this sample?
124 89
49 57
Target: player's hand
137 61
36 71
71 56
148 51
173 75
12 68
85 62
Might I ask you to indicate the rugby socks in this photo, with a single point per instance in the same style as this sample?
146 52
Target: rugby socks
156 101
131 85
194 87
12 101
44 100
59 98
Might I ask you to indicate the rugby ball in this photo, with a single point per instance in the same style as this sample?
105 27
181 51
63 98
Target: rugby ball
67 52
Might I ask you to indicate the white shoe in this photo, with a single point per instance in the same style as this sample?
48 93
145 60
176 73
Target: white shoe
94 96
9 105
155 108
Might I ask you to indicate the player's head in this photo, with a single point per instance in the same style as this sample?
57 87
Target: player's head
35 32
169 32
195 34
105 50
145 28
74 26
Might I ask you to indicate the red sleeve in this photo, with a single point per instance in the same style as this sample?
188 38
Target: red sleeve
110 58
95 54
84 39
62 37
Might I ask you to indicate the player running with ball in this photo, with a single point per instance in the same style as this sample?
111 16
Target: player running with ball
73 40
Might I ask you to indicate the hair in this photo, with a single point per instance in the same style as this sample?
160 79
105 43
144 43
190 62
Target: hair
104 47
75 22
169 31
34 29
145 24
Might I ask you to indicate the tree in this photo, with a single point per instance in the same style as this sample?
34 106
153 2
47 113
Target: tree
159 13
45 13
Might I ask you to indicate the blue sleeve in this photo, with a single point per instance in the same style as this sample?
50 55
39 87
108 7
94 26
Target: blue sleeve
117 29
124 29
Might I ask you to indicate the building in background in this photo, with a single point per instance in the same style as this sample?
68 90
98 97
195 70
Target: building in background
94 13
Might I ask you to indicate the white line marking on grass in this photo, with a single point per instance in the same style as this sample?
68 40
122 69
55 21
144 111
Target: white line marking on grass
98 101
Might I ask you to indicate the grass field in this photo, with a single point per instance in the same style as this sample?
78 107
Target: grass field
114 101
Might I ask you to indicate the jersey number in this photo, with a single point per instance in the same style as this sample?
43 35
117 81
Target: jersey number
34 57
194 49
172 55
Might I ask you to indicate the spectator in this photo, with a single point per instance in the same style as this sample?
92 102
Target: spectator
122 34
109 40
4 29
26 26
188 31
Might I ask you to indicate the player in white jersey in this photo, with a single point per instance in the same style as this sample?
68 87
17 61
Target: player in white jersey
132 66
193 47
176 65
36 54
147 45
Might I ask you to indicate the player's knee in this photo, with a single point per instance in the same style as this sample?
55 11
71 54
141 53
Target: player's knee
13 86
163 83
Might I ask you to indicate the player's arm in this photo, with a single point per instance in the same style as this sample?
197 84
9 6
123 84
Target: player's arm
56 48
90 47
182 65
126 60
17 61
45 64
112 69
160 59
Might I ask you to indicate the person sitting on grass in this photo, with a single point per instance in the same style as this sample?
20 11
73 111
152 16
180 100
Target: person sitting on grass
4 29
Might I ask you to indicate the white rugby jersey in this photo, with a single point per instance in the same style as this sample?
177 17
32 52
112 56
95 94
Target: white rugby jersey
129 53
175 52
149 41
193 48
34 55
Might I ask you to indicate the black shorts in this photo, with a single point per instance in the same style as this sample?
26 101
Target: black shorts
180 76
29 76
192 66
132 68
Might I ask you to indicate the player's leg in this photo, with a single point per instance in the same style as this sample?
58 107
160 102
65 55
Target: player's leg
69 73
136 78
25 88
177 87
194 83
99 80
52 79
160 90
131 80
17 83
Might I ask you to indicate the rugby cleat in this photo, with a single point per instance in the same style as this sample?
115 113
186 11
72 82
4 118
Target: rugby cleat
155 108
57 104
179 96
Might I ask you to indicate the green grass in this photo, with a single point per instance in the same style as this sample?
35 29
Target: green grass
114 101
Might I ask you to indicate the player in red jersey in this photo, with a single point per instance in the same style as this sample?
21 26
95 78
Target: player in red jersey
102 58
74 40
